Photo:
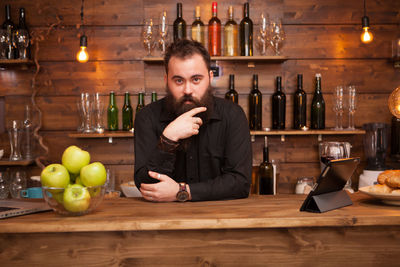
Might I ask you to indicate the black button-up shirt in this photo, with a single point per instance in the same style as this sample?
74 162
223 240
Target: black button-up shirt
216 164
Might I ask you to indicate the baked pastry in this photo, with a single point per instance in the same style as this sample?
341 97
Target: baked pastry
393 181
381 189
386 174
396 192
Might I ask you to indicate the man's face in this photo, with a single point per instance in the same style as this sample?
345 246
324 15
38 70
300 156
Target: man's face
188 81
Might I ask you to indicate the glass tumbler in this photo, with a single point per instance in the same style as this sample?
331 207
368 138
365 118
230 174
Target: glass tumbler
98 112
15 134
18 183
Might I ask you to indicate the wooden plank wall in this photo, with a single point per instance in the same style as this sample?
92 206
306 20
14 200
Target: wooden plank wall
322 36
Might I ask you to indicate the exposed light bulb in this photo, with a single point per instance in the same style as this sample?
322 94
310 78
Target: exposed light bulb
82 56
366 36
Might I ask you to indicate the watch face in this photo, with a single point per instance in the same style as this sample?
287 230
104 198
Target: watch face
182 196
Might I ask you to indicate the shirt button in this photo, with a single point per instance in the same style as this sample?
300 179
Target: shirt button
190 157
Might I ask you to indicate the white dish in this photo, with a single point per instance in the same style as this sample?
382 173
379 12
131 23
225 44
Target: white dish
130 190
388 198
1 153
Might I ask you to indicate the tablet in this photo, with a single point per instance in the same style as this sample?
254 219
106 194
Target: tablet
327 193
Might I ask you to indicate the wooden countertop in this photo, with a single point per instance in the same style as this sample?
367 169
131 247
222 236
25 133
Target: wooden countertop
135 214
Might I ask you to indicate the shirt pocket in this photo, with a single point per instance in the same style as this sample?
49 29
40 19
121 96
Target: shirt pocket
212 160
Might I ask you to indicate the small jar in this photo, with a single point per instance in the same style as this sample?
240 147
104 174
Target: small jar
304 185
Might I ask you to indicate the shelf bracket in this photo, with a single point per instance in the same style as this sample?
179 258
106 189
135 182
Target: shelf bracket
320 138
282 138
251 65
252 138
110 140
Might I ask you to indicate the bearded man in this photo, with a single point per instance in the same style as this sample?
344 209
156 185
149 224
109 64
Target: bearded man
191 145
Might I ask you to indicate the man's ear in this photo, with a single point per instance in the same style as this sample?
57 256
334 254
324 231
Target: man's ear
211 76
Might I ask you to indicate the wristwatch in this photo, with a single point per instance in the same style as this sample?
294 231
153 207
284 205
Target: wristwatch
182 194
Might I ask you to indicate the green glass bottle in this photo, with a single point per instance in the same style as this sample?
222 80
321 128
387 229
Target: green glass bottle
278 106
299 105
153 97
318 106
246 33
255 106
232 95
266 183
127 113
112 113
140 104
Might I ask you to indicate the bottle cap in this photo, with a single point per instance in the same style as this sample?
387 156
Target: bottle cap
318 75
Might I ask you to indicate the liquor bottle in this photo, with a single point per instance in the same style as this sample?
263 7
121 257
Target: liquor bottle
22 26
179 24
231 35
8 25
278 106
232 94
153 97
27 142
127 113
246 33
112 113
318 106
255 106
214 33
266 183
299 105
140 104
198 28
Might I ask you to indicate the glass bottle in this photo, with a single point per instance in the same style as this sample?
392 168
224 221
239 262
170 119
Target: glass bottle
22 26
198 28
246 33
299 105
140 104
232 95
4 187
18 183
153 97
214 33
179 24
112 113
27 143
266 183
231 35
278 106
318 106
8 25
255 106
127 113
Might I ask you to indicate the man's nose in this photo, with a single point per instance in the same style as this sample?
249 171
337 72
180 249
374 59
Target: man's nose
188 90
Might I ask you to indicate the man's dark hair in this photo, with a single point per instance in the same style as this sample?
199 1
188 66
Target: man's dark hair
185 48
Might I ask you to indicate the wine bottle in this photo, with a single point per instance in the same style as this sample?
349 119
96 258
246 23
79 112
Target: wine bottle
232 95
299 105
246 33
22 26
214 33
112 113
140 104
8 25
127 113
230 35
318 106
198 28
179 24
266 183
278 106
255 106
153 97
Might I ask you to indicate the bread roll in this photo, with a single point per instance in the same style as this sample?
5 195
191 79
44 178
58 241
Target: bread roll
381 189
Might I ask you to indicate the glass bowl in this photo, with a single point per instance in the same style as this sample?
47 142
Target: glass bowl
80 201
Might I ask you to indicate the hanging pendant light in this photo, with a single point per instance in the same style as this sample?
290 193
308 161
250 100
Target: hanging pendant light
366 35
82 56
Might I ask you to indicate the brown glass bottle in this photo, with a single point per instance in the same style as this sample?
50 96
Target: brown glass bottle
255 106
179 24
299 105
214 33
232 95
318 106
278 106
266 184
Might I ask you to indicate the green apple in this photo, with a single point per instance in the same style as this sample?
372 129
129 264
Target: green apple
74 159
55 175
78 180
94 174
76 198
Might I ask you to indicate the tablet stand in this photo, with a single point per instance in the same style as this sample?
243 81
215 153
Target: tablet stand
328 201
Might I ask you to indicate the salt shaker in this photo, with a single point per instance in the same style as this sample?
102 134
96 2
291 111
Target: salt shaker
304 185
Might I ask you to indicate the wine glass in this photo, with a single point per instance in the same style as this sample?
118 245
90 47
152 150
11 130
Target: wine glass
351 105
263 34
22 42
338 107
148 36
4 40
163 31
276 35
332 150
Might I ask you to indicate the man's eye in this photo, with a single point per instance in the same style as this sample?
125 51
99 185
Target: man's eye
178 81
196 79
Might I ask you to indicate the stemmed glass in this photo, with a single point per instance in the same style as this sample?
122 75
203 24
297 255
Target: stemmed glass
276 35
263 34
351 105
148 37
338 107
21 42
163 32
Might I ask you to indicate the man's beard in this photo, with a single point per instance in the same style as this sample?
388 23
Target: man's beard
178 107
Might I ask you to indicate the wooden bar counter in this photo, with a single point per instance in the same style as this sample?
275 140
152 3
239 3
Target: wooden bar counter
257 231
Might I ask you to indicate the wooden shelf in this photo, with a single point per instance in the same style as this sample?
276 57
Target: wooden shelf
270 59
307 132
16 62
106 134
16 162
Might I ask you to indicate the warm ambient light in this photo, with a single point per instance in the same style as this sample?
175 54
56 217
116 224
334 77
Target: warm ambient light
394 102
366 35
82 56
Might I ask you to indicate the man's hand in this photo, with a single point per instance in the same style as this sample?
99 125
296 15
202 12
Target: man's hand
186 125
163 191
